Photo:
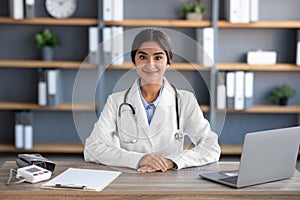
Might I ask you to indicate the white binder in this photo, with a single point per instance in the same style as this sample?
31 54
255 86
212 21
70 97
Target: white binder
254 10
107 10
16 9
239 90
205 53
232 11
244 11
221 91
118 10
30 8
298 49
249 84
107 44
230 84
53 82
93 44
117 45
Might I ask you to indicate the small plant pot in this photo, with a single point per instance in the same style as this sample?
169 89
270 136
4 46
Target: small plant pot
194 16
47 53
283 101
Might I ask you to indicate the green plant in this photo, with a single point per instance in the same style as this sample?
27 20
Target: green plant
46 38
283 91
192 6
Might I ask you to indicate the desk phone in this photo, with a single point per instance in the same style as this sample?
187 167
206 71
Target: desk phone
33 174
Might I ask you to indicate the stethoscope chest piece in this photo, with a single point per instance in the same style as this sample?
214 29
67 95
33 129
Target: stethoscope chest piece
178 136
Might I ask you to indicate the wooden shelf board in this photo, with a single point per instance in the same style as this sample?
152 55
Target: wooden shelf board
46 148
159 22
292 109
244 66
34 106
260 24
173 66
231 149
51 21
45 64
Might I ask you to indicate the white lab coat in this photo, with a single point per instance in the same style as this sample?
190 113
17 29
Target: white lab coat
110 145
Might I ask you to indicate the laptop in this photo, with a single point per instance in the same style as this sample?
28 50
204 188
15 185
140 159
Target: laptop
267 156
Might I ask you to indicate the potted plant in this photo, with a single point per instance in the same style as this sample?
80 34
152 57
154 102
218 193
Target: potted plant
46 40
192 9
282 93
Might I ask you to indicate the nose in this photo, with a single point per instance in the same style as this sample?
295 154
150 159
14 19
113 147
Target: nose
151 61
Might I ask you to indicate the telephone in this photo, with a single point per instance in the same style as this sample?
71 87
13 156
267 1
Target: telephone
24 160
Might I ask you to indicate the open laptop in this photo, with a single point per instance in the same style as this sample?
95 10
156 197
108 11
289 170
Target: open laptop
267 156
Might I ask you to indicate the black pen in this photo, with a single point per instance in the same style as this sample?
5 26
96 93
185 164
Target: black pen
72 186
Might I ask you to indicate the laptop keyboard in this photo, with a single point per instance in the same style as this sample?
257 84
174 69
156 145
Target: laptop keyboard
232 179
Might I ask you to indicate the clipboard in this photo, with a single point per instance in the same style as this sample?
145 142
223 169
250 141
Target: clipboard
85 179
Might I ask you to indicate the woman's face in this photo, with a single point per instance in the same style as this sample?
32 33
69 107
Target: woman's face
151 62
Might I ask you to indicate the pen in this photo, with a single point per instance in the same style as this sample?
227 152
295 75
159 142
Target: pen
70 186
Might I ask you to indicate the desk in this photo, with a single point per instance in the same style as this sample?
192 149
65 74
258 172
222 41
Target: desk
183 184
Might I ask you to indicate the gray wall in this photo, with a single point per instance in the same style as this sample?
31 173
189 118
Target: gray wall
16 42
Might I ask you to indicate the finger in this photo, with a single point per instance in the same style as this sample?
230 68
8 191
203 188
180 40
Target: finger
159 162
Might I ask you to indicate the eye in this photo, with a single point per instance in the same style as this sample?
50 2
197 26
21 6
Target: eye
159 57
142 57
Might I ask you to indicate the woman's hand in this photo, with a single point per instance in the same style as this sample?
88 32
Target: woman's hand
153 162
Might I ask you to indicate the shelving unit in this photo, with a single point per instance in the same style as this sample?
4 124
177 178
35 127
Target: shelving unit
219 25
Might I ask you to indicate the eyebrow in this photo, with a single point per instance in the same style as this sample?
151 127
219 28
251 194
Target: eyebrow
157 53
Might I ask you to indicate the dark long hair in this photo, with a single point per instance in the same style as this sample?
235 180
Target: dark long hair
154 35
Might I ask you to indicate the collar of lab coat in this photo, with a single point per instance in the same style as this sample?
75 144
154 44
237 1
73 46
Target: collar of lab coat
167 101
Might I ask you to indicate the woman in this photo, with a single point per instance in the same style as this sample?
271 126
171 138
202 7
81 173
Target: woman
153 141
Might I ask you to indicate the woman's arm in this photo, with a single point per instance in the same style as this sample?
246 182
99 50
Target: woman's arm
193 123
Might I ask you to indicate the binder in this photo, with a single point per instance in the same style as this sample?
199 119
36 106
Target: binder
232 11
244 11
254 10
107 44
249 84
239 90
42 88
53 83
118 10
16 9
230 84
117 45
221 91
298 48
30 8
93 45
19 130
85 179
205 52
107 10
28 131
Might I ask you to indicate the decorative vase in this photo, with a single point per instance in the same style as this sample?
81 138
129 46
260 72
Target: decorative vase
47 53
283 101
194 16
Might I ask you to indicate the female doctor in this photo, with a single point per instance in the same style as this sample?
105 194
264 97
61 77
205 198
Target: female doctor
144 127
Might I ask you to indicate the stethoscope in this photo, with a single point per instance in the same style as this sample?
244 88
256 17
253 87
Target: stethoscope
178 135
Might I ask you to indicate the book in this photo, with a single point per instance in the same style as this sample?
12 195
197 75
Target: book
230 87
86 179
16 9
239 90
249 81
205 52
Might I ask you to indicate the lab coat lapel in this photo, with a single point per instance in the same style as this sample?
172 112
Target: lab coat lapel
135 100
165 105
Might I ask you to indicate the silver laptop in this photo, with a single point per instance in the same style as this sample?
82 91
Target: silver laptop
267 156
